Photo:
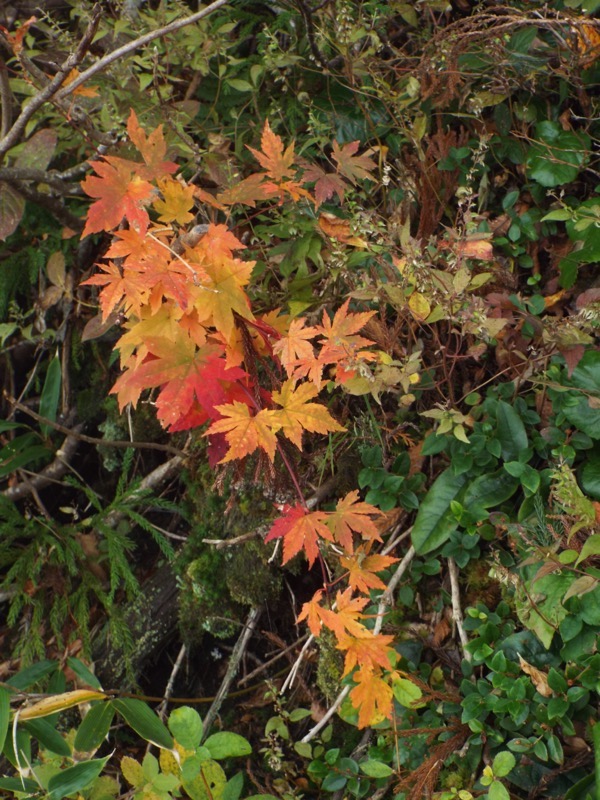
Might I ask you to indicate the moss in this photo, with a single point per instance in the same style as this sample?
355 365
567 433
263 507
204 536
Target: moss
250 579
330 667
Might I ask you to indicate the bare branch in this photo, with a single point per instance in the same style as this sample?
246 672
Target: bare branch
109 58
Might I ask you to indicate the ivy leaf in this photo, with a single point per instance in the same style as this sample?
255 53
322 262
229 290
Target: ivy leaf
351 166
301 530
246 432
297 414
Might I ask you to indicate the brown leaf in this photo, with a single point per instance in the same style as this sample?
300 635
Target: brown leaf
539 678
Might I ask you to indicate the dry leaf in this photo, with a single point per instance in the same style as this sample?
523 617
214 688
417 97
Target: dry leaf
539 678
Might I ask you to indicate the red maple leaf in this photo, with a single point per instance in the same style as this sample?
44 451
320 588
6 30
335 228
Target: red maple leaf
152 148
326 183
301 530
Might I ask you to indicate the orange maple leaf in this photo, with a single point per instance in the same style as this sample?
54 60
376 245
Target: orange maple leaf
295 344
367 649
301 530
352 515
152 148
245 432
119 285
297 414
353 167
119 192
362 570
372 696
343 619
276 163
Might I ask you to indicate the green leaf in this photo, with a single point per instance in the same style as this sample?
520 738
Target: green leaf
432 527
28 677
503 763
186 726
50 394
557 159
75 779
18 785
48 736
144 721
407 693
375 769
94 728
208 784
4 714
227 745
590 548
491 490
558 215
590 476
511 432
233 787
498 791
84 673
133 771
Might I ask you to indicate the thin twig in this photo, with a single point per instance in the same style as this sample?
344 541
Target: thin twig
328 715
162 709
296 666
271 661
5 100
51 89
122 444
232 668
457 615
109 58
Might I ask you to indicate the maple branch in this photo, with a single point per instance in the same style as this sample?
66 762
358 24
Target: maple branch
109 58
456 608
51 89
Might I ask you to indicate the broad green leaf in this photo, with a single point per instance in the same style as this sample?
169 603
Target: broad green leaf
590 548
490 490
144 721
590 476
186 726
29 676
133 771
17 785
75 779
51 394
83 672
227 745
94 728
503 763
375 769
498 791
511 432
432 525
407 693
233 787
4 714
47 735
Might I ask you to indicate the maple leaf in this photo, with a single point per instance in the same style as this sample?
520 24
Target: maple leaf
118 285
297 414
224 295
176 203
340 346
362 570
366 650
326 183
372 696
247 191
301 530
295 345
342 619
340 230
353 167
152 148
276 163
245 432
136 246
352 515
120 193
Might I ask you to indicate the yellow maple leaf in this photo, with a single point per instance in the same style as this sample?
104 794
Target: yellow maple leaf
245 432
297 414
176 203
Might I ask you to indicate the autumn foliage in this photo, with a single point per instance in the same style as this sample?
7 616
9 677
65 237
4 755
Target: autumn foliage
192 336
